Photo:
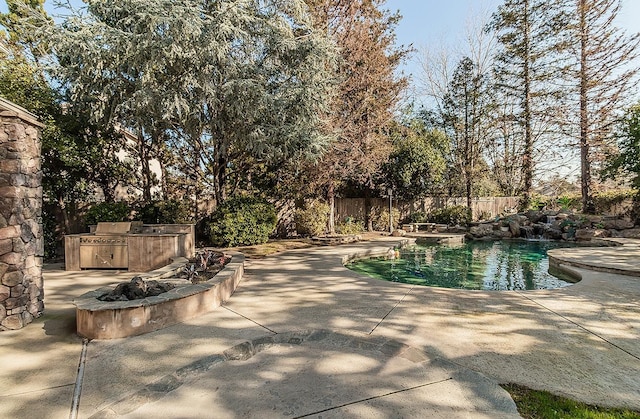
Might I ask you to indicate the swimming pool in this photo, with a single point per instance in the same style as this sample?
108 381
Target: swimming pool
477 265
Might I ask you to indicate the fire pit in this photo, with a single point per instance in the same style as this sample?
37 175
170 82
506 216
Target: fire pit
129 245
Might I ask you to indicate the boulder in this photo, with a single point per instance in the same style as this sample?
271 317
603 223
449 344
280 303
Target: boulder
586 234
633 233
553 234
481 230
534 216
594 219
617 224
499 234
398 233
514 228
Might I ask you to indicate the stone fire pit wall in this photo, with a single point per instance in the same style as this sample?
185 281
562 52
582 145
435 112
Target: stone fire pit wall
21 238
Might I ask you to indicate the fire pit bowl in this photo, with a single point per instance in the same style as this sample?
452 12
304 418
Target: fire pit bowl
97 319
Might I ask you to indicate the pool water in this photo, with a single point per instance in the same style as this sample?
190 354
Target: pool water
495 266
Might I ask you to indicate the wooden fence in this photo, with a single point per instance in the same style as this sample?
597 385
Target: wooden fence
484 207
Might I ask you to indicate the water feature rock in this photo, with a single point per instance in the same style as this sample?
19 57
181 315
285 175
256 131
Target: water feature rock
586 234
534 216
481 230
617 224
633 233
514 228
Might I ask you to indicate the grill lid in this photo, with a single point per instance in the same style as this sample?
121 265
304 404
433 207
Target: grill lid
118 229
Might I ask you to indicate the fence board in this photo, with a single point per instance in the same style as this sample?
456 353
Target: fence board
488 207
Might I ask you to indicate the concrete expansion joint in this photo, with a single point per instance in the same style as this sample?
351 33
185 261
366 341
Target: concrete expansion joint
579 326
246 350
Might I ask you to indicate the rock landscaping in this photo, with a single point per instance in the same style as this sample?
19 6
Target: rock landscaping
554 225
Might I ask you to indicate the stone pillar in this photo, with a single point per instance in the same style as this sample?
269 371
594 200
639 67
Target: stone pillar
21 236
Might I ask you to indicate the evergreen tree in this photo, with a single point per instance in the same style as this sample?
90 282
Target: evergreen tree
626 161
530 39
216 81
465 116
604 75
417 163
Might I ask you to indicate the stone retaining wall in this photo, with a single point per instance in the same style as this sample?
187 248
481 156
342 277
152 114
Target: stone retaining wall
21 238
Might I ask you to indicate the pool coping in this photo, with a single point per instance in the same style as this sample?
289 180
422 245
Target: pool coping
611 259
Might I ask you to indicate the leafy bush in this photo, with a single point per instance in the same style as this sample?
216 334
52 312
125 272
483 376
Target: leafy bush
350 226
416 217
312 219
242 221
606 201
107 212
455 215
169 211
566 202
380 218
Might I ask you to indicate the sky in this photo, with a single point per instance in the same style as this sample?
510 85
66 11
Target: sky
432 23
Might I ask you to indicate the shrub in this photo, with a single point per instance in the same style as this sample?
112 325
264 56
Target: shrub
380 218
312 219
242 221
350 226
169 211
107 212
569 202
416 217
455 215
607 201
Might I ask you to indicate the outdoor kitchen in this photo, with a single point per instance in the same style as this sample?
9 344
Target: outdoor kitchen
133 246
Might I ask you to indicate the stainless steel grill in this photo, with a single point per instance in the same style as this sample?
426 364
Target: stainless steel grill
129 245
108 246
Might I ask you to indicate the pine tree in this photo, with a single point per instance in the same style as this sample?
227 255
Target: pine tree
604 75
465 114
529 34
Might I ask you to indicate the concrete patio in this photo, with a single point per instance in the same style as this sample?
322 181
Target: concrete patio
305 337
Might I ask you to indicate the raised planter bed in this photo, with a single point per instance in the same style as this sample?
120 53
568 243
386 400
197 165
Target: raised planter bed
97 319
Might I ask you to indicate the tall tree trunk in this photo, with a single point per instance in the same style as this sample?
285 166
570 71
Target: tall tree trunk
65 214
367 209
585 162
143 153
331 197
527 164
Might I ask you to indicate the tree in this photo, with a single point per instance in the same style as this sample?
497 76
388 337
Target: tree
604 74
417 163
464 118
367 94
76 155
215 81
626 161
20 35
528 33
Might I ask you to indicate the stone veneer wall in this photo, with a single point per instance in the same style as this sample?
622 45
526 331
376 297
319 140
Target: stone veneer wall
21 238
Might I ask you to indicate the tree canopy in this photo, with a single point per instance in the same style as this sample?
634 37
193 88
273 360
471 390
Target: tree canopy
218 81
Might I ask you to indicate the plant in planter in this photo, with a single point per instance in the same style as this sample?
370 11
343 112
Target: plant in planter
204 266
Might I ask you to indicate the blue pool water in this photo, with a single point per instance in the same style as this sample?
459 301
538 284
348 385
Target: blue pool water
496 266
